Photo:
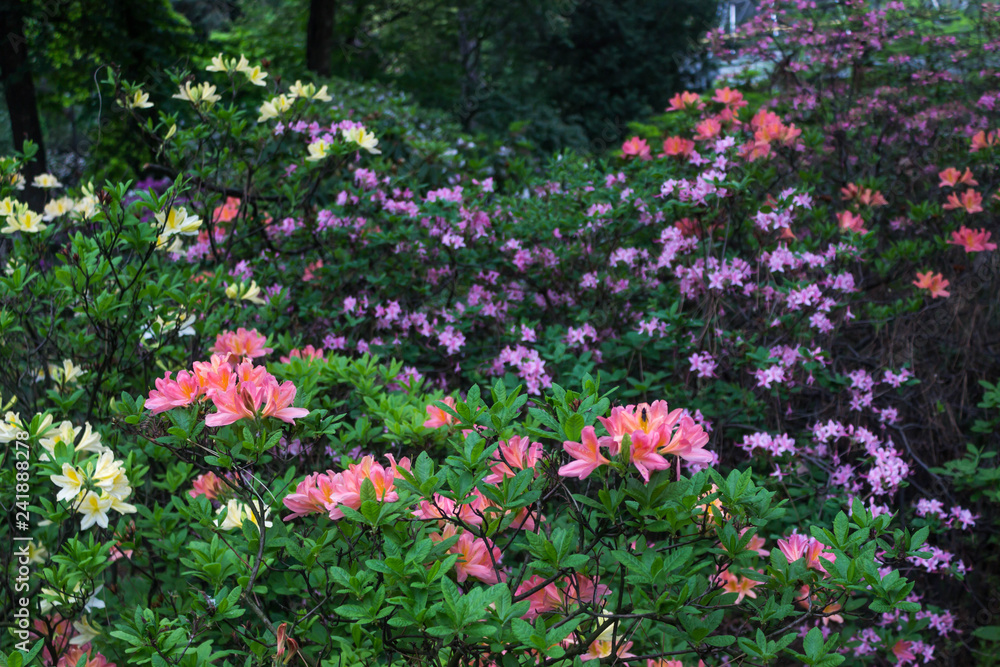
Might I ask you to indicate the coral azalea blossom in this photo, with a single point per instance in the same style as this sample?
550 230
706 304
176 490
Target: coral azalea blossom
934 282
972 240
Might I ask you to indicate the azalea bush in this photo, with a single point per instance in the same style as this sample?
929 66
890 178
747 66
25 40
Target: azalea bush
740 376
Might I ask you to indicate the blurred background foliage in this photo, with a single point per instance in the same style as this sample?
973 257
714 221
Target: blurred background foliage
539 76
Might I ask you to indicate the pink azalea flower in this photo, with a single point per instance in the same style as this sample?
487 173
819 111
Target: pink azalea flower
241 344
688 442
794 547
644 455
677 147
518 452
170 394
313 495
970 200
685 100
742 586
445 509
73 654
851 222
208 485
636 147
731 98
952 177
903 653
644 417
308 352
347 484
972 240
587 455
476 558
546 599
436 417
934 282
215 374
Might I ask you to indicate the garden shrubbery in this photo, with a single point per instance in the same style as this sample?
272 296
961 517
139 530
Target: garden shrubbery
332 386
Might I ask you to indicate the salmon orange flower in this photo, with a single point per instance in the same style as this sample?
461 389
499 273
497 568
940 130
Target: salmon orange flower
970 200
346 491
308 353
477 558
240 344
685 100
707 129
677 146
636 147
731 98
850 222
952 177
436 417
982 140
972 240
742 586
934 282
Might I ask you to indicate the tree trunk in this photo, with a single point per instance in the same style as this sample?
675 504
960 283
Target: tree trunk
19 92
319 36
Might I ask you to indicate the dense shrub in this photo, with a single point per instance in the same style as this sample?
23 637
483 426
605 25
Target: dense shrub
810 289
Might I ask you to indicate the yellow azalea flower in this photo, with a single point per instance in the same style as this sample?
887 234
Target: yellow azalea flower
94 509
57 208
362 138
37 553
218 64
46 181
177 221
274 107
137 100
106 469
10 427
86 631
164 243
243 65
7 207
70 482
237 513
70 371
309 92
256 76
27 222
181 324
86 207
298 90
65 433
91 441
203 92
251 293
318 150
17 180
322 95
